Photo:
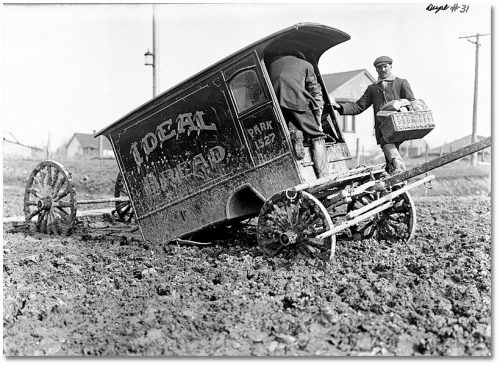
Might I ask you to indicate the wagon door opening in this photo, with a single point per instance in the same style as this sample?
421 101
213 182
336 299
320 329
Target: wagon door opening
312 41
328 117
336 148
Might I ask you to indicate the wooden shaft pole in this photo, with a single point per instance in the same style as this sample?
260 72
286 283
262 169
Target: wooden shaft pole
440 161
106 200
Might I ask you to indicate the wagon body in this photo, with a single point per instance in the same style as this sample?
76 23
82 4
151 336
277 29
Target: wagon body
215 147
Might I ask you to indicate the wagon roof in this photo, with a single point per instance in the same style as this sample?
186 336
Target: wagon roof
311 38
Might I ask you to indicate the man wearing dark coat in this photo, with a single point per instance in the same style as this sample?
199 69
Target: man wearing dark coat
387 88
298 92
301 100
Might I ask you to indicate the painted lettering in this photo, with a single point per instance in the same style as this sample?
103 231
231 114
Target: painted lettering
168 177
185 123
260 128
165 134
183 168
134 150
151 185
198 166
264 140
200 122
149 143
216 155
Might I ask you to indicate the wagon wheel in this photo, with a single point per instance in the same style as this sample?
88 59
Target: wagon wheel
49 197
289 226
397 223
124 209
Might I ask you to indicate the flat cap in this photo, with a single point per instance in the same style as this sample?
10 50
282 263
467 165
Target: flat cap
382 59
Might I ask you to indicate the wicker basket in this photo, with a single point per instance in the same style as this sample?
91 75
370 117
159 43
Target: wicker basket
403 126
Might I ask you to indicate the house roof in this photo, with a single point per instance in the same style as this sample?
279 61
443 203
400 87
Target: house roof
456 144
336 80
87 140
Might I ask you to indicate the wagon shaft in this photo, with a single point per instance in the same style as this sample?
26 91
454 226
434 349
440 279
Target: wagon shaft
105 200
443 160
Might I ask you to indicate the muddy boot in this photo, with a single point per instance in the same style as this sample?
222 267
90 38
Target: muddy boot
297 142
397 166
395 163
319 157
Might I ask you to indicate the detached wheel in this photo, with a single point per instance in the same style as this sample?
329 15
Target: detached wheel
123 209
289 225
49 199
397 223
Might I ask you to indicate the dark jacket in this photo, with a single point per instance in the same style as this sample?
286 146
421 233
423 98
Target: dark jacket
295 84
377 96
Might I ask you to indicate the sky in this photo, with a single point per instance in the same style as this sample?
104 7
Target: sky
70 68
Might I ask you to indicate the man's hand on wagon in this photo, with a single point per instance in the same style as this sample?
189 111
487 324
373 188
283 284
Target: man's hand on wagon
336 105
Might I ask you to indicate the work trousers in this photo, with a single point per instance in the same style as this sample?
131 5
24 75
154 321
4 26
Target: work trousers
304 121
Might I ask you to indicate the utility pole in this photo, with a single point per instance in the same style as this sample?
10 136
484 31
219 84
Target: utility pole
473 158
357 151
151 57
154 51
48 147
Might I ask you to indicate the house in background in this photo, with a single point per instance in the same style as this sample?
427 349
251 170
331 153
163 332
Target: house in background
358 129
13 149
83 145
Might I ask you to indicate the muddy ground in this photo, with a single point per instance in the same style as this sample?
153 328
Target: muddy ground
103 291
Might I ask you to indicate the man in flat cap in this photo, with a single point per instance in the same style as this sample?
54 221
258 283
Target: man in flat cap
385 89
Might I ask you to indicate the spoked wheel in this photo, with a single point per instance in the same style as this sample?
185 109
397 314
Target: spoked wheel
397 223
49 199
288 225
123 209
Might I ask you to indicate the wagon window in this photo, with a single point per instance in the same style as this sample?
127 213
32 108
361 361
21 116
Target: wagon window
246 90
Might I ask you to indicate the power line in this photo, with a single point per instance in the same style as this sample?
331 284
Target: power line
474 105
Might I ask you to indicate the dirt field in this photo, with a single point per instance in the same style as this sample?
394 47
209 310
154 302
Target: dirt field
102 291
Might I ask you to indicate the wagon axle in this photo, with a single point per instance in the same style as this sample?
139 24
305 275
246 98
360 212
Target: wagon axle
288 238
45 203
